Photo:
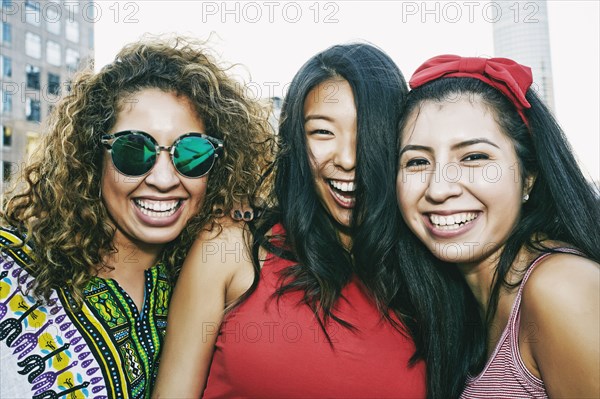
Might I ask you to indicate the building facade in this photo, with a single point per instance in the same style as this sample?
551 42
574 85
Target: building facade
521 33
42 43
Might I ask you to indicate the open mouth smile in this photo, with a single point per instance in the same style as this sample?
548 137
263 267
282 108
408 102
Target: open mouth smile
343 192
452 222
157 209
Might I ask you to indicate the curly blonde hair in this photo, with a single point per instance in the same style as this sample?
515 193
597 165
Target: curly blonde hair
56 200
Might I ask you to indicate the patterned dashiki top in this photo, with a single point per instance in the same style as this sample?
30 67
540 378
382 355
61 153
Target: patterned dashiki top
108 349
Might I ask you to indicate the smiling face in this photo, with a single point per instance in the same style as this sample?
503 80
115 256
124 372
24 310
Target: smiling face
154 208
330 126
459 184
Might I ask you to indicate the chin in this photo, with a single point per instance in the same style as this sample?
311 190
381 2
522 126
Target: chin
451 252
159 238
343 220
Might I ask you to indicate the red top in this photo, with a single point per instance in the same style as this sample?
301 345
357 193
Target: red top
276 349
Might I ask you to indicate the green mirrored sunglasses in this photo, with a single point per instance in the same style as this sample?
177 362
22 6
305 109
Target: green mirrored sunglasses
134 153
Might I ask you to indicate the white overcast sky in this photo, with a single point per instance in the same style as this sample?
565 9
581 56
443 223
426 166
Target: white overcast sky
272 39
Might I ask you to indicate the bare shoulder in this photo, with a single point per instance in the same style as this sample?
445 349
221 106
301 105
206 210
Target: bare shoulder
221 244
562 300
561 310
223 228
220 255
562 279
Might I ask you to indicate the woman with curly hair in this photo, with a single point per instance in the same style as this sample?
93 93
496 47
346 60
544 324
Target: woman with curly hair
325 306
134 160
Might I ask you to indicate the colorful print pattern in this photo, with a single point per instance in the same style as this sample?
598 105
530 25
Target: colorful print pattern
107 349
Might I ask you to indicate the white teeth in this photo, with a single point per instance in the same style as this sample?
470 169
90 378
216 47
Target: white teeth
452 222
344 200
342 186
154 208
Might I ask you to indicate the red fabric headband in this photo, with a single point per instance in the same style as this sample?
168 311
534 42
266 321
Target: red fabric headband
511 78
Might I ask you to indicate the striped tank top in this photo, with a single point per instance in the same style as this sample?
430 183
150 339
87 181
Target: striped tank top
505 375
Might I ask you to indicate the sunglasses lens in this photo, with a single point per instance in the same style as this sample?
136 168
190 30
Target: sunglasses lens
194 156
133 154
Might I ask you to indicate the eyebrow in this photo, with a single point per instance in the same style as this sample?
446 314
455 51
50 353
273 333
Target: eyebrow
317 116
456 146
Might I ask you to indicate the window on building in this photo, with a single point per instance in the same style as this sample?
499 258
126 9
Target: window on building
91 37
72 59
7 170
72 31
53 56
32 12
33 140
7 3
33 45
32 75
5 33
5 66
6 106
32 110
6 136
52 16
53 84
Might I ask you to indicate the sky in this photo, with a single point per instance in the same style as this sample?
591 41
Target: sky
268 41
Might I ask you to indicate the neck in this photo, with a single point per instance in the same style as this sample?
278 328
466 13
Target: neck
479 278
343 233
130 258
346 241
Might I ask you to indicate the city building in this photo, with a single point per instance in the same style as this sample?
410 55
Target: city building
521 33
42 43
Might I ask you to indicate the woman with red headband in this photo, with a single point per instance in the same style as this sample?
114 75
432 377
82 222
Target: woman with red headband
487 181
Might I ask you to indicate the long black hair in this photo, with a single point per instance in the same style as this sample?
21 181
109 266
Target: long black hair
562 205
324 266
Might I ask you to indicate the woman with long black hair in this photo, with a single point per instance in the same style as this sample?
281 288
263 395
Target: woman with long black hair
324 306
487 181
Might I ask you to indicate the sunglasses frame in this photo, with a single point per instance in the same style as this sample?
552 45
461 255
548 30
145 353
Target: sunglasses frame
217 145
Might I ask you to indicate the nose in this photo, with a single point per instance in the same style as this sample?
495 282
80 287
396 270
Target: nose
345 154
444 183
163 175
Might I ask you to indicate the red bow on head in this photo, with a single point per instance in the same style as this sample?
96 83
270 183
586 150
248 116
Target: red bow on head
511 78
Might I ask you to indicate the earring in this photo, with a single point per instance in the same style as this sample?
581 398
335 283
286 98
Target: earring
525 198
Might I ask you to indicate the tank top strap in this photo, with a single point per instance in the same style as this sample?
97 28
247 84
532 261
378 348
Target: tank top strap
514 322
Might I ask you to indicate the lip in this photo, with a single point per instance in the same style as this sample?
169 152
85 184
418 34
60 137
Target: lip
337 200
156 198
342 180
162 221
445 234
